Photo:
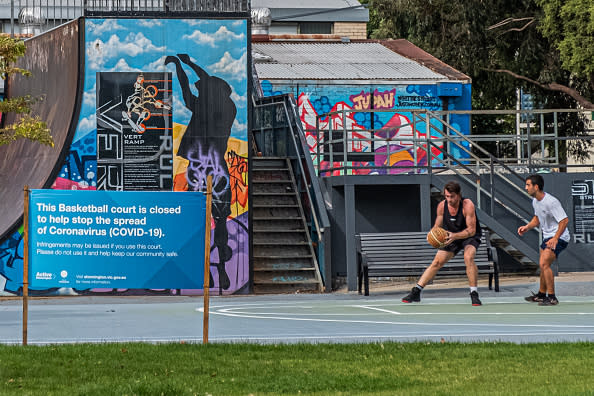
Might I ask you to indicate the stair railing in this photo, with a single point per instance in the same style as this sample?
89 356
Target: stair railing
314 207
478 161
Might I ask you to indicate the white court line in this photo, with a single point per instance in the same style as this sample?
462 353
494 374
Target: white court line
256 316
416 337
230 309
429 301
377 309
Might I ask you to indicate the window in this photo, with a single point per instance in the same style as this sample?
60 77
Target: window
315 27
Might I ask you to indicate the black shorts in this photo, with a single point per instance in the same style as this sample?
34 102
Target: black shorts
561 245
460 244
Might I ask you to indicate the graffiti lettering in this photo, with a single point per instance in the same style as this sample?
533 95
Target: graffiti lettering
361 101
381 100
419 101
238 169
200 166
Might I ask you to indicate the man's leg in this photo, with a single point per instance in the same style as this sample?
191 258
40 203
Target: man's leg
472 274
471 270
542 288
441 257
547 278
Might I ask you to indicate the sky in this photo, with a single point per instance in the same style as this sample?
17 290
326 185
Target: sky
130 45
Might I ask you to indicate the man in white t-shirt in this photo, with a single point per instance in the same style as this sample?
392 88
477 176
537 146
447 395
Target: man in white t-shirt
549 214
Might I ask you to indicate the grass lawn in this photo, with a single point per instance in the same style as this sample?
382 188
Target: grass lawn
302 369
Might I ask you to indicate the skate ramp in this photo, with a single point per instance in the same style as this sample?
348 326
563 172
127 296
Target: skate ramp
55 60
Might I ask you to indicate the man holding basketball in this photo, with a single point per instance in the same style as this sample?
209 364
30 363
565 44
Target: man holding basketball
458 216
553 220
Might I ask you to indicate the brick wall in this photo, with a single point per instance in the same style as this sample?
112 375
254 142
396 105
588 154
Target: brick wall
353 30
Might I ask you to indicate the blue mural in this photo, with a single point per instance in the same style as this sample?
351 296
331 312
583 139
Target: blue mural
207 59
393 117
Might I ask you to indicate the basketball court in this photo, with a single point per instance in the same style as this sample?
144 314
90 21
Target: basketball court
444 315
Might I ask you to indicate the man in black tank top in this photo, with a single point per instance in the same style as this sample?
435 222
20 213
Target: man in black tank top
458 216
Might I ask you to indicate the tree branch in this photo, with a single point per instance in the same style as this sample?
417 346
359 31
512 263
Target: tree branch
511 20
585 103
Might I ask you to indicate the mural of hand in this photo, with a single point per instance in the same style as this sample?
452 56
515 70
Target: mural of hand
184 58
170 59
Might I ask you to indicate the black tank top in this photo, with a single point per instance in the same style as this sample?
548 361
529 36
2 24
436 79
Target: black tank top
457 223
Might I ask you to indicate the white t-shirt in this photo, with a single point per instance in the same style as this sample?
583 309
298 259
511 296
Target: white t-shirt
550 212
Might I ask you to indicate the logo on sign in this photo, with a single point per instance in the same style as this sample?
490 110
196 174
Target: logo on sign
44 275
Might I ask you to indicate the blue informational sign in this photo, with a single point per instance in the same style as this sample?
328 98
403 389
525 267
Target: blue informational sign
116 239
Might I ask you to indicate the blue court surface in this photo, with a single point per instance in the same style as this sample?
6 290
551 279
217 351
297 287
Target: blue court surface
443 314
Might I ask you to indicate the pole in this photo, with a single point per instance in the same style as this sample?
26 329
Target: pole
25 264
207 259
518 132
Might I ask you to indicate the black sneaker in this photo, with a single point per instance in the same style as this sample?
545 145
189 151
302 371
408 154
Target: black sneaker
534 297
475 299
549 301
413 296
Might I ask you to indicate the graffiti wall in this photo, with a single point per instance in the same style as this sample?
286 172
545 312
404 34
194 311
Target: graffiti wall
385 109
164 105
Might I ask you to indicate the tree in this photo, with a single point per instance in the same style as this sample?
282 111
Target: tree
27 126
502 45
570 27
544 45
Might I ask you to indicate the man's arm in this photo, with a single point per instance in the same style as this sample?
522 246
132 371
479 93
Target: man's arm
469 213
439 216
552 243
532 224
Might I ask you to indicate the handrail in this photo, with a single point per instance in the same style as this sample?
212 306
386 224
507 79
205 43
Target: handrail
319 216
303 151
302 174
477 186
482 150
310 166
452 138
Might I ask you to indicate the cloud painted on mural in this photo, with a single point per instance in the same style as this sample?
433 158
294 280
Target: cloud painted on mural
239 127
109 25
123 66
150 23
89 97
212 39
229 67
180 111
88 124
240 101
218 46
158 65
196 22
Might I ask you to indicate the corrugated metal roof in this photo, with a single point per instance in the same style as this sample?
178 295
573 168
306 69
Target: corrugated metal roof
304 3
336 61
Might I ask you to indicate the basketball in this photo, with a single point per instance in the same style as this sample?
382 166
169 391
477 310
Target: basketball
437 237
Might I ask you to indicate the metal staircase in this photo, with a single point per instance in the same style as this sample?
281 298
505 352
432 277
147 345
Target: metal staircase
284 258
290 223
497 190
501 202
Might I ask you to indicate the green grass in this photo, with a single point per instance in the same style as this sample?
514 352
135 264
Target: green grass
302 369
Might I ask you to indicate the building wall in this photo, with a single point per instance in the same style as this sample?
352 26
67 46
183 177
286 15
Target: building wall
392 119
378 208
395 204
353 30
